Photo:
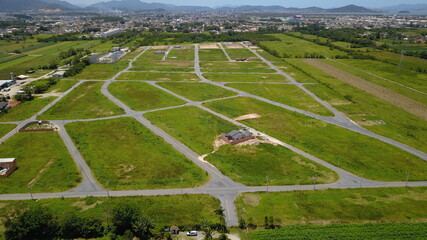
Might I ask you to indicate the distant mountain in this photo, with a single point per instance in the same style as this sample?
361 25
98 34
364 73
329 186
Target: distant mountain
350 9
21 5
62 3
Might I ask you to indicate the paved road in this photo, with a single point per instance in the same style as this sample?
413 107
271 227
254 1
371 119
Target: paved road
219 185
225 52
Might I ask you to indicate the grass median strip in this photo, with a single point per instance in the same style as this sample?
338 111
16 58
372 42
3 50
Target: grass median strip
354 152
142 96
44 164
141 160
241 67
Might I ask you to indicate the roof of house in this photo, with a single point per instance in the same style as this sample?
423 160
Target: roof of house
6 160
174 228
239 134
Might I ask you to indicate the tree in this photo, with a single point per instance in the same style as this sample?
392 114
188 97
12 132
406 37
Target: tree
34 223
73 226
242 223
142 226
124 215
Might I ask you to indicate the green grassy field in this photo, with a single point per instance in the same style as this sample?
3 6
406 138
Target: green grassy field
197 91
375 160
61 86
181 54
390 231
133 54
86 101
40 56
407 62
150 55
241 53
400 125
199 130
180 210
223 77
142 96
168 66
298 75
25 110
142 160
267 55
294 47
5 128
101 71
158 76
266 164
284 93
242 67
408 78
336 206
44 164
212 55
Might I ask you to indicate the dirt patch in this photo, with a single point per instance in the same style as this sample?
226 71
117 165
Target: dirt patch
160 47
233 46
82 205
251 199
179 64
247 116
37 177
403 102
209 46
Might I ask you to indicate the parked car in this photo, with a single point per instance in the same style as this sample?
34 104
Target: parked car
20 92
192 233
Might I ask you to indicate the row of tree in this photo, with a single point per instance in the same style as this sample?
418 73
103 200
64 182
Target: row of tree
125 221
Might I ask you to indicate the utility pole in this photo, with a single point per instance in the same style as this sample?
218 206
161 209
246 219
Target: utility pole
108 193
407 178
266 181
31 192
314 182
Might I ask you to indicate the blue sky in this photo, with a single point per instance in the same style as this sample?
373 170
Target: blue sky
285 3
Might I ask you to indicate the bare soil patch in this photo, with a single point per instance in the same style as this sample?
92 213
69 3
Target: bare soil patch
247 116
179 64
160 47
234 46
209 46
251 199
84 207
405 103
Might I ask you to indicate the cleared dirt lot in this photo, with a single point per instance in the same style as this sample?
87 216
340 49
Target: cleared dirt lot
409 105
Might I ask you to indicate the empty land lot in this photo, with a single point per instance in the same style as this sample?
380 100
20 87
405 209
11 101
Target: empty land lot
142 96
336 206
44 164
142 160
242 67
197 91
410 105
284 93
85 101
238 77
158 76
166 66
265 164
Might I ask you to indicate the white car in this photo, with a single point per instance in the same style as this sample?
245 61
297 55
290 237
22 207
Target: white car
192 233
